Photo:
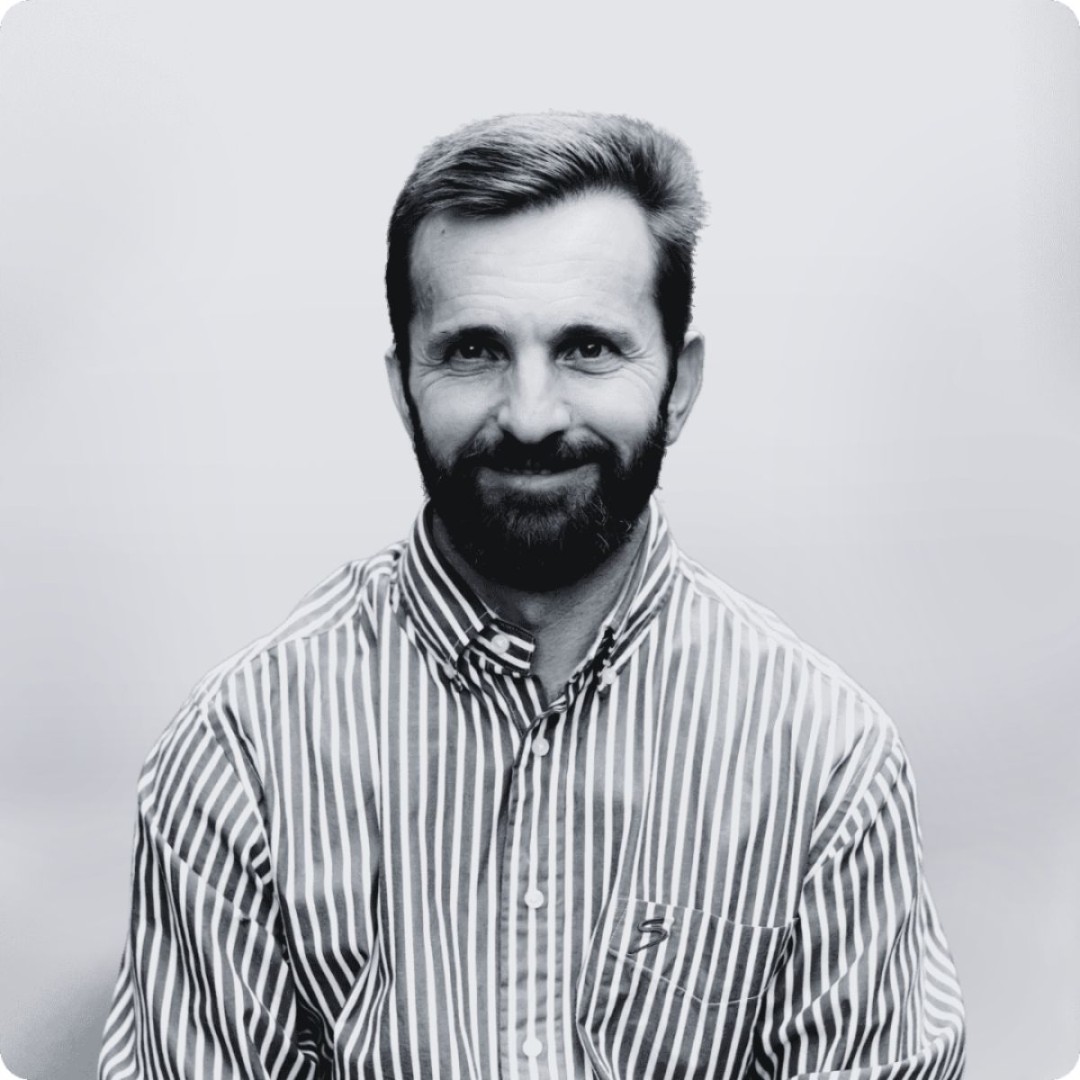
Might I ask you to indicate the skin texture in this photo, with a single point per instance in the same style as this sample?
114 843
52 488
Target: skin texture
536 326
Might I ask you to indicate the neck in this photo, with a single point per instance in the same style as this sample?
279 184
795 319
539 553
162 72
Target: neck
563 621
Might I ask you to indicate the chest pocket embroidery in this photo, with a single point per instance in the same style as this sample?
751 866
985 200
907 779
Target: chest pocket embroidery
664 984
655 931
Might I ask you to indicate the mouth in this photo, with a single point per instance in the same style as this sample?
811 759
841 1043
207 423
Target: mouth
534 477
535 472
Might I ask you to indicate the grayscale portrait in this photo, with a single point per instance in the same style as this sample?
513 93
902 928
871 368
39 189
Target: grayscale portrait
539 546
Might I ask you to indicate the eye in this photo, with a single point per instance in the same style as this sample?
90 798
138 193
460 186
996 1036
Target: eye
592 352
471 353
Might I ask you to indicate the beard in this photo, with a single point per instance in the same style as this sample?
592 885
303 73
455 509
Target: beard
549 537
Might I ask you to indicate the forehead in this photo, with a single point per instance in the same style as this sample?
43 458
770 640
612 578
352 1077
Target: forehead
589 251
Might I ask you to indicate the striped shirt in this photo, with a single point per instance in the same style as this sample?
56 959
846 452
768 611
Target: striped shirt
367 847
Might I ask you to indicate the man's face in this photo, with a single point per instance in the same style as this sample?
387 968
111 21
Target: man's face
540 394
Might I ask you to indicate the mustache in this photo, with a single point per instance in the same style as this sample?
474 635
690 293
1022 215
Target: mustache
552 454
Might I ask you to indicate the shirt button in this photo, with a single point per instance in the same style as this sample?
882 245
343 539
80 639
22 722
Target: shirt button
500 643
534 898
541 747
531 1047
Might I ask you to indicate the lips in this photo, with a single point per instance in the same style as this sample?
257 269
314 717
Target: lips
535 472
533 477
530 470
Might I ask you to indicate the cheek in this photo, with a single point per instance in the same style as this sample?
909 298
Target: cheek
624 415
451 415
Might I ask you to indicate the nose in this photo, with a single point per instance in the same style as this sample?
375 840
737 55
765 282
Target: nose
533 406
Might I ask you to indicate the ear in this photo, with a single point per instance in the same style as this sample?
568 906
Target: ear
688 373
396 374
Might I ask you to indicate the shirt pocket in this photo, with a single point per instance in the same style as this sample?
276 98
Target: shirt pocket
673 988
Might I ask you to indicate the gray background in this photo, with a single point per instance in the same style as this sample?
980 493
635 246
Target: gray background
195 428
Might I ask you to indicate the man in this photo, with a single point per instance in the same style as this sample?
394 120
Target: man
531 794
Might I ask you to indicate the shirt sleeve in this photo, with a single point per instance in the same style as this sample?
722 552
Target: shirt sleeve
204 988
868 990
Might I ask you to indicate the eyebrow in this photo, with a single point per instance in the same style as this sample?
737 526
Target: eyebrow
445 339
571 332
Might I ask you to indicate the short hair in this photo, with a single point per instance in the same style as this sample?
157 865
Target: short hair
491 168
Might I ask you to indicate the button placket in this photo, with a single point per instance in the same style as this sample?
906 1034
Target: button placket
533 927
525 931
514 864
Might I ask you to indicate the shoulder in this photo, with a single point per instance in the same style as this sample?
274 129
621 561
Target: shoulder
762 630
221 708
845 742
348 595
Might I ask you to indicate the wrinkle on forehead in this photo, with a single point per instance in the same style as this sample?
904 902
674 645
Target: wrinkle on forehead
594 237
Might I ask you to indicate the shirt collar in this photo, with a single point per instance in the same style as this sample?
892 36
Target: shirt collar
453 620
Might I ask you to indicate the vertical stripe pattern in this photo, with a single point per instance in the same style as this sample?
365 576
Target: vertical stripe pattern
367 847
